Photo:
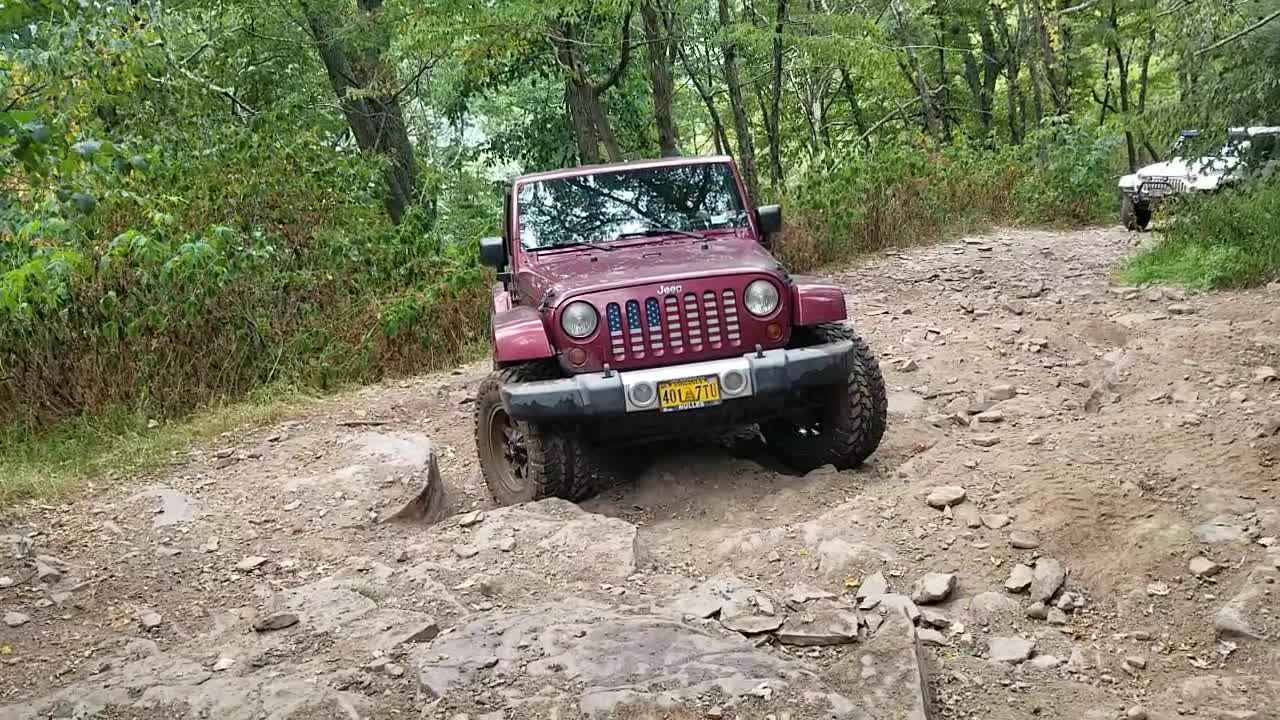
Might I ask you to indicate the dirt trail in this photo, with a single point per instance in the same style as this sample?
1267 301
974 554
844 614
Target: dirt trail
1128 434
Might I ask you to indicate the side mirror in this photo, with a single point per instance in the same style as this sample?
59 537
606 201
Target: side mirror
769 217
493 252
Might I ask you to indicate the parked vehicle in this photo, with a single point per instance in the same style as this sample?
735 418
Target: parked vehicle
1189 171
639 303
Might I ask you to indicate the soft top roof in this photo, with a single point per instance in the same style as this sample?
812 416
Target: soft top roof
630 165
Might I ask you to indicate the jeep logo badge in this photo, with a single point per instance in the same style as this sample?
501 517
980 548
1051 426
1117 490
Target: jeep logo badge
670 289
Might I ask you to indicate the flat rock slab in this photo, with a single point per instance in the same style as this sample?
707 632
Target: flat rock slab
173 508
578 659
888 673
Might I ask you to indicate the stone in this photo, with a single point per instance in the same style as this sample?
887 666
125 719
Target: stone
968 515
250 563
873 586
138 648
1077 661
393 669
995 521
472 518
6 582
1057 617
1180 309
1137 712
1136 661
990 416
985 440
902 604
1047 577
465 552
1019 578
1037 611
596 663
47 572
1204 567
932 638
150 620
801 594
1045 662
210 545
16 619
933 588
945 496
1000 393
752 624
1264 373
1010 649
1035 439
992 603
277 620
1213 532
1229 622
933 618
830 626
506 544
224 663
1023 540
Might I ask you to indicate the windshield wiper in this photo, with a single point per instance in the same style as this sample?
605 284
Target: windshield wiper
650 232
579 243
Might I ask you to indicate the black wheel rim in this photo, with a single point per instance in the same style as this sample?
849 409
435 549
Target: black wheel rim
508 452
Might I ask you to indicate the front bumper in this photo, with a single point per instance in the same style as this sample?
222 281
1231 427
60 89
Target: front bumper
597 395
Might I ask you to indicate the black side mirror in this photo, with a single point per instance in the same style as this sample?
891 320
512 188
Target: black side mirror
493 252
769 217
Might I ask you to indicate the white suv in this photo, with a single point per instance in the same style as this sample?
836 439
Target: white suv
1183 172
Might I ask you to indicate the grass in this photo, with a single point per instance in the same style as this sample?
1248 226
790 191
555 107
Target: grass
46 466
1224 241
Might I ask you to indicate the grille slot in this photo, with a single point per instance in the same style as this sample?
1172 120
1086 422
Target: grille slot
676 325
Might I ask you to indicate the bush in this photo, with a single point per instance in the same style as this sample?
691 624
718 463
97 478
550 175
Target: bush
902 194
1227 240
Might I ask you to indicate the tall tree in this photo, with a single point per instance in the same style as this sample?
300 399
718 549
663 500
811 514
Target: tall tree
352 43
660 40
741 125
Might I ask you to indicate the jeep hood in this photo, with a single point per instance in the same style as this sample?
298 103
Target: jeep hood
1185 168
575 272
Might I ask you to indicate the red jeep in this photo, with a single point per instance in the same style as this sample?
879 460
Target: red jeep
639 301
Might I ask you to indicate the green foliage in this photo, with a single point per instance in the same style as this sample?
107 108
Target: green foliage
1227 240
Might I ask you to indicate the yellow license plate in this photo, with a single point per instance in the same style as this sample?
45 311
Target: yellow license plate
689 394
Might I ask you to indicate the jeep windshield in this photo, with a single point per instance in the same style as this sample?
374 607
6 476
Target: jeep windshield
683 200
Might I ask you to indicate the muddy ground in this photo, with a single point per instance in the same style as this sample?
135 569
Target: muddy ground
1109 449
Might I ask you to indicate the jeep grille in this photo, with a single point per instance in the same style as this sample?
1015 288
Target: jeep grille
673 325
1161 186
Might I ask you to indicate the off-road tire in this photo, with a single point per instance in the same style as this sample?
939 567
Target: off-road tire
853 418
560 462
1134 216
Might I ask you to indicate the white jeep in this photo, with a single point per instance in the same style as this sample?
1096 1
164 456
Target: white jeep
1189 172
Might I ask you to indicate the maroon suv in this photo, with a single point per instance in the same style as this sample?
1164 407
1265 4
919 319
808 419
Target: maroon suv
639 301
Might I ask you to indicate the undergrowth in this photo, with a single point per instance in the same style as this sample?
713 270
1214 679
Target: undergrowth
1221 241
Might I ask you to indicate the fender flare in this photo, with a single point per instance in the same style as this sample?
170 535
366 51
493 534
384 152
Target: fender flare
817 301
520 336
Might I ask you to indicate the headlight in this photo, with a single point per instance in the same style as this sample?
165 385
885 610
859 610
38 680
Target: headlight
761 298
579 319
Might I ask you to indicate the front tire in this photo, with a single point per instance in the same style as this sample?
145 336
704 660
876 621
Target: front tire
1134 215
523 461
852 418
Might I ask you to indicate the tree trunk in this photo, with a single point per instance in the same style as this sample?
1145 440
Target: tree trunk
369 97
1012 69
1122 72
741 125
582 96
704 92
658 36
855 107
1033 70
581 120
916 71
1049 63
1144 75
773 118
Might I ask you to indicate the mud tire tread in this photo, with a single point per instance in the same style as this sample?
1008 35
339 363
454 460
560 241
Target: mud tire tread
856 425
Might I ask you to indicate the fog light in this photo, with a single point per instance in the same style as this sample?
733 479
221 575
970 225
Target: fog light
577 356
733 382
642 394
774 330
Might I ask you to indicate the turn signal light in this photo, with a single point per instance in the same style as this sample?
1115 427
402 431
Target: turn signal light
774 330
577 356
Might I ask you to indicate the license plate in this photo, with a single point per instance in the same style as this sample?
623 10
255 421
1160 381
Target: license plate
689 394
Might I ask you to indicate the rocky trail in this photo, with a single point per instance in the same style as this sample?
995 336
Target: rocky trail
1074 514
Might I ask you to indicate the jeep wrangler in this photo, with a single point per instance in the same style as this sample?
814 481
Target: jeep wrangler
638 302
